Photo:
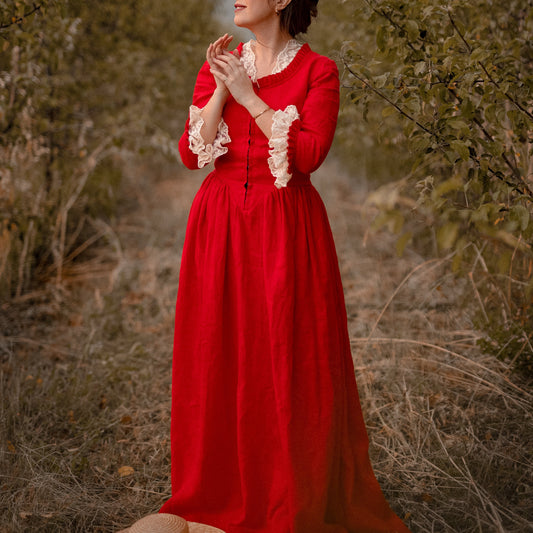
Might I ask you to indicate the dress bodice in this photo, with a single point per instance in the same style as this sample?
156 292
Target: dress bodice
303 90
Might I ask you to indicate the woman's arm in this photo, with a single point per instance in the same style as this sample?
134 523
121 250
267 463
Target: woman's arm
310 136
299 141
229 70
212 112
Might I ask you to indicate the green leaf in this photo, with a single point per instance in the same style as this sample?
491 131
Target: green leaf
382 38
412 30
402 242
447 235
388 111
458 124
480 54
496 148
521 215
450 185
419 143
380 81
461 148
393 220
504 261
420 68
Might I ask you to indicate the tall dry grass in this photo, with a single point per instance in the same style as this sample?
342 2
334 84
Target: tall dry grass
85 379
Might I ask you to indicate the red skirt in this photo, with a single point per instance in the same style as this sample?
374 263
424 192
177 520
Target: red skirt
267 434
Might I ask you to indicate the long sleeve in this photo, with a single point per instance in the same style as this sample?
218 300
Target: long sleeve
301 141
194 152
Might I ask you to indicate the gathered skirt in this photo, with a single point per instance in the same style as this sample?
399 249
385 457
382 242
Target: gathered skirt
267 434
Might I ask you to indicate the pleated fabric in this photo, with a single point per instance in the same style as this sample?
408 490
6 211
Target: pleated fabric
267 434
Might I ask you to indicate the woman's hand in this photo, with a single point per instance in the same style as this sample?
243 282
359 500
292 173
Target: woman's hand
214 51
230 71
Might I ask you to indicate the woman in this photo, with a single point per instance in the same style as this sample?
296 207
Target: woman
267 432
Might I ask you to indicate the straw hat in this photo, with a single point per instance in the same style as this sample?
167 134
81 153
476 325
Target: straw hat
168 523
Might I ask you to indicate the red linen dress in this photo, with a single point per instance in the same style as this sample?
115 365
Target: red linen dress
267 434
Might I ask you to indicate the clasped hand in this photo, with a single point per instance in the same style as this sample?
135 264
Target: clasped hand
228 71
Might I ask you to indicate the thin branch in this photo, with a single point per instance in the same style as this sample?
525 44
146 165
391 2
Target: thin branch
484 68
19 20
387 99
516 173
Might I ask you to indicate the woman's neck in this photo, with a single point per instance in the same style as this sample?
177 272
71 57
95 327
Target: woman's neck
267 49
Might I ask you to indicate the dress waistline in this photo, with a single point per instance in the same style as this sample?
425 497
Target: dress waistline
263 179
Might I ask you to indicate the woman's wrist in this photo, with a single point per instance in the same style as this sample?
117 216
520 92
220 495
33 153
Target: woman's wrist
221 94
257 107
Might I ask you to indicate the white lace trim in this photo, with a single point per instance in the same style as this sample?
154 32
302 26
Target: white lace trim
279 142
282 61
206 152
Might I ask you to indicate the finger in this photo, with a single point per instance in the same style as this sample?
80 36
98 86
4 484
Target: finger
232 56
220 65
221 48
228 40
222 40
219 76
233 62
223 59
216 45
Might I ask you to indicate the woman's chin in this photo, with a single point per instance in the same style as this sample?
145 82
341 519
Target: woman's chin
241 20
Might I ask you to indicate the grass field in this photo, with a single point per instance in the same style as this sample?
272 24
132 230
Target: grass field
85 378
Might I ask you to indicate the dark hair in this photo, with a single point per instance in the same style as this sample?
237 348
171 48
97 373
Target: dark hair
296 17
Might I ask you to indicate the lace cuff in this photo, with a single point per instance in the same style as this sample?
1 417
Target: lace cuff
279 143
206 152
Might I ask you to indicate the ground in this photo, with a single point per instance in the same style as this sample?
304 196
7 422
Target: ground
85 377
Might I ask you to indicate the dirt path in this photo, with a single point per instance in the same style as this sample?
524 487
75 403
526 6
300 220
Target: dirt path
85 430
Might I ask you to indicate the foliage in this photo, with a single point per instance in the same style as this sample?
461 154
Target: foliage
454 84
83 87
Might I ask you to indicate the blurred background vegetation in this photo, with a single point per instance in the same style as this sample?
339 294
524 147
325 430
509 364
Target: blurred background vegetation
438 110
85 87
434 135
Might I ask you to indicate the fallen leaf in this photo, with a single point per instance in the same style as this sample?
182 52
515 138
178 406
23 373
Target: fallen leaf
124 471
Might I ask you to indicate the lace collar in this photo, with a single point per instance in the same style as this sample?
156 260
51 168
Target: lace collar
283 60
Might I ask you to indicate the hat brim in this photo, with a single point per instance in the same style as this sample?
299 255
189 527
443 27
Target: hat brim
194 527
168 523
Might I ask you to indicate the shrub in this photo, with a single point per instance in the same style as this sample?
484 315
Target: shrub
454 83
83 87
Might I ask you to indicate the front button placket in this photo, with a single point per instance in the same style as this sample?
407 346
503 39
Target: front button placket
250 129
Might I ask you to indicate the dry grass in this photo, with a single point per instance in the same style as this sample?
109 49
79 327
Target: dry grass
85 380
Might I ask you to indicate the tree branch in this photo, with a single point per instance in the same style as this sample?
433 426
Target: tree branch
524 191
18 20
386 98
485 70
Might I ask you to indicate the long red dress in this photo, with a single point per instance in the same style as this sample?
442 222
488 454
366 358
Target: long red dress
267 434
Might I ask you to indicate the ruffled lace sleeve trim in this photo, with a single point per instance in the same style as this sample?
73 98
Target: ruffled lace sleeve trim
279 144
206 152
